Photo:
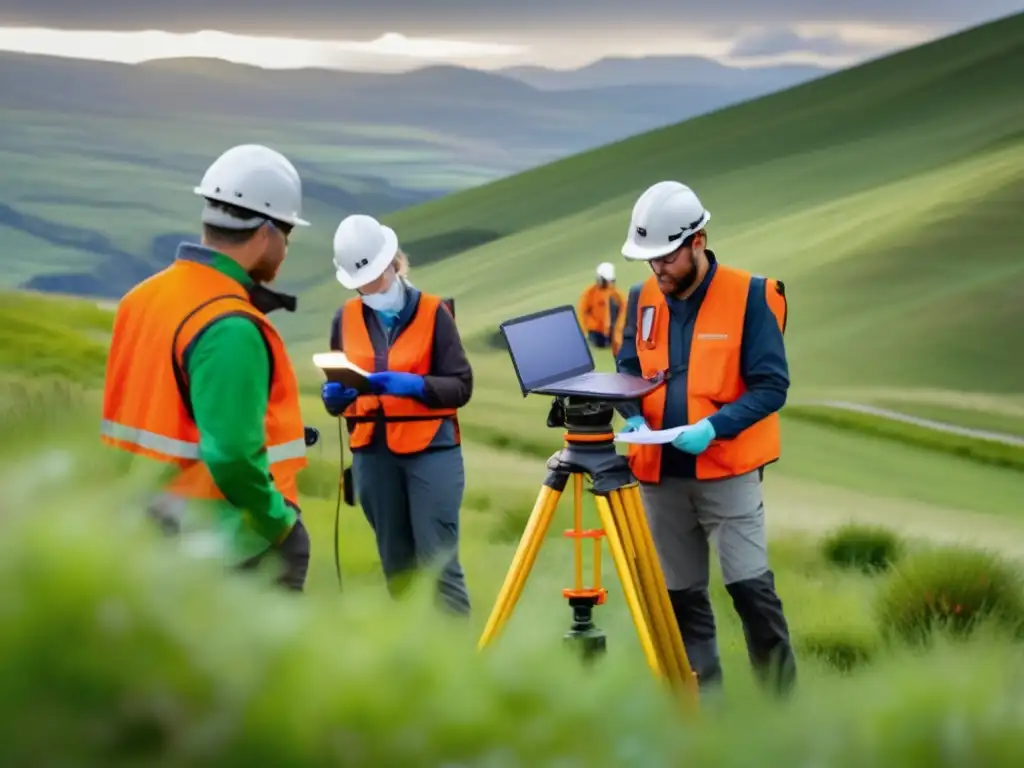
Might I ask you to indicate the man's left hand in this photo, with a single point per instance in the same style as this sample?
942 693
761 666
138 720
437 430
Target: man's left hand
695 438
397 383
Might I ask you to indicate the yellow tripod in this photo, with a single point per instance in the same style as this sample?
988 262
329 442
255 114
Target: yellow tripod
589 450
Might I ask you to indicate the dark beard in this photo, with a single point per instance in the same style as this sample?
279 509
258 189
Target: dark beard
683 284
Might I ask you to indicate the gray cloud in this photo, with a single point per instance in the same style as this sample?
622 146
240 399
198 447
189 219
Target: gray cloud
565 18
772 41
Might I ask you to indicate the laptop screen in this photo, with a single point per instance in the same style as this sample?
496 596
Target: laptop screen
547 347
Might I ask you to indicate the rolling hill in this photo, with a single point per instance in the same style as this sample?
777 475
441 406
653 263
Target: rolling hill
887 197
99 159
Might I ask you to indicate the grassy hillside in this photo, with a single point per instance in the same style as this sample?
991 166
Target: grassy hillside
49 336
887 197
99 159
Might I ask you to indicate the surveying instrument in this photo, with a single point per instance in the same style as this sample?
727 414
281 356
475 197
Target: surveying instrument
551 357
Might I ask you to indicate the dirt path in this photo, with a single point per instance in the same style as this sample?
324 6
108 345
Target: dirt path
801 506
938 426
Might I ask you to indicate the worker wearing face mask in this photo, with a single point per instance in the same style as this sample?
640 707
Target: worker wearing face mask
405 441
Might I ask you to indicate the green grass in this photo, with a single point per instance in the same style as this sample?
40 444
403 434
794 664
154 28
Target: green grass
984 451
171 662
44 336
1007 423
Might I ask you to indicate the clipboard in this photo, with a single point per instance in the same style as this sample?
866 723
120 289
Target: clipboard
338 368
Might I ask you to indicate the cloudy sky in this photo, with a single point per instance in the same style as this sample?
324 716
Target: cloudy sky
397 34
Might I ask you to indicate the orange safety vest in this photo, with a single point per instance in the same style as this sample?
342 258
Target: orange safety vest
595 309
410 425
146 407
713 375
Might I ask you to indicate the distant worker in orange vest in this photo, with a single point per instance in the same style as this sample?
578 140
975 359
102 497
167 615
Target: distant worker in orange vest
601 310
199 379
405 438
715 334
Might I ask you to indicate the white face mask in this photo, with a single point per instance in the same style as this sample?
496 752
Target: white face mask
391 299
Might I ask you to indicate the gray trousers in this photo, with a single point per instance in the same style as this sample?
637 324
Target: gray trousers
412 503
685 516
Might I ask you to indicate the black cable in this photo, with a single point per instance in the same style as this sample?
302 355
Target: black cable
337 508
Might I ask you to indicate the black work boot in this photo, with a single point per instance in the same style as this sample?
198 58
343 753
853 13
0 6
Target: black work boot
696 620
766 632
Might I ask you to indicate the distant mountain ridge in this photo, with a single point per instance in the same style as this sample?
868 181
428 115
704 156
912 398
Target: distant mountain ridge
663 70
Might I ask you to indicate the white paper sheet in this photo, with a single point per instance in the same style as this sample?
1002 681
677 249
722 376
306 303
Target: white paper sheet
326 361
647 436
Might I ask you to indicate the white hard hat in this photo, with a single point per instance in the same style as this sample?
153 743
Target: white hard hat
257 179
363 249
606 271
665 215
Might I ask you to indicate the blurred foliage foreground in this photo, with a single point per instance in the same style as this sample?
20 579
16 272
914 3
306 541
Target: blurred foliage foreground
118 650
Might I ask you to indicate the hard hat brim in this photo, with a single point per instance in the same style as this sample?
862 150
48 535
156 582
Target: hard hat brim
292 221
633 252
375 268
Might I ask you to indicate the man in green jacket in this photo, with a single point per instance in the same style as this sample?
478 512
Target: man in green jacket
227 365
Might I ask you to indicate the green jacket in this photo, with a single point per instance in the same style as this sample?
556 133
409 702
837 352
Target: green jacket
228 368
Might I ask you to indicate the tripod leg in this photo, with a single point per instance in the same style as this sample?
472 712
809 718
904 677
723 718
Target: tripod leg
629 586
631 559
523 560
657 619
658 591
628 545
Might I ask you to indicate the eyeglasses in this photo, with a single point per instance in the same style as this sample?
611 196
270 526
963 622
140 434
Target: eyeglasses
668 258
280 226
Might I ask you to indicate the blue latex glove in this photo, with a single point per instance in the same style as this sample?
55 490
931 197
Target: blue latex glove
695 438
337 397
634 423
397 383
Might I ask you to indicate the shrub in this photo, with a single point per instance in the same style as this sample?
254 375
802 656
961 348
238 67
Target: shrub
952 590
869 548
842 648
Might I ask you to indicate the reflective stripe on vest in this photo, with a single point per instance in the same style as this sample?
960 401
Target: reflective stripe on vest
181 449
411 352
145 407
713 374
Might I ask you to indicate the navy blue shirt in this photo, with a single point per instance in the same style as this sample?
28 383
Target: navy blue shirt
763 366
